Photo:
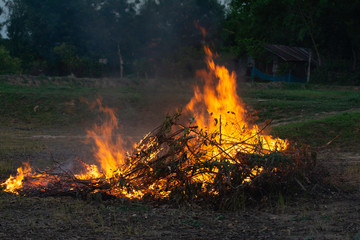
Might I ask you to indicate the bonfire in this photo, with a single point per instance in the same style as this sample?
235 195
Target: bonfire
212 149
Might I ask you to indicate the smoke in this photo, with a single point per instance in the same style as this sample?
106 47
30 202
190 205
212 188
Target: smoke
171 43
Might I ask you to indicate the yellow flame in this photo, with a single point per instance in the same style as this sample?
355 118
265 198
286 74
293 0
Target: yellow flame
14 183
108 149
91 172
217 109
109 153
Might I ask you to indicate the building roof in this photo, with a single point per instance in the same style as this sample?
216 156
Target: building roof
289 54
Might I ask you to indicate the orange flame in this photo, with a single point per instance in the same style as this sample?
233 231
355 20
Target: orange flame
109 153
13 184
108 149
217 109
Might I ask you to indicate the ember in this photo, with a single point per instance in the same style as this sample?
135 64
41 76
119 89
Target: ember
215 154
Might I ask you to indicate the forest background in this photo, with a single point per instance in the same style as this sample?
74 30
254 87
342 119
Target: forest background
160 39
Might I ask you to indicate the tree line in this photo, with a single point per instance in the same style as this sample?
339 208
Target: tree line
331 28
159 38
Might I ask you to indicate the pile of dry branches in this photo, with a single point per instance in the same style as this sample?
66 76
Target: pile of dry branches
176 160
173 162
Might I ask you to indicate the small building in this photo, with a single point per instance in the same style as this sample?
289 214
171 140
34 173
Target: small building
283 63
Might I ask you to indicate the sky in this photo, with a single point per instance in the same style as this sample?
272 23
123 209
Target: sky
2 19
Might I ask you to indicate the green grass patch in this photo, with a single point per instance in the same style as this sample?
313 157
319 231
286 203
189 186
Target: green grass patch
296 103
49 104
6 167
56 102
317 133
15 147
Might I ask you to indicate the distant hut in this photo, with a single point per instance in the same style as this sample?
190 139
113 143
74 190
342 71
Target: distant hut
283 63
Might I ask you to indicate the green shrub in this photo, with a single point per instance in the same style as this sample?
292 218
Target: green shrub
336 73
72 63
8 64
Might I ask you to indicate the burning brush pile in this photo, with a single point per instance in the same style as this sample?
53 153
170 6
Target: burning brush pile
212 150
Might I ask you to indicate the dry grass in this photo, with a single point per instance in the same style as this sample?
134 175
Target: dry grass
334 215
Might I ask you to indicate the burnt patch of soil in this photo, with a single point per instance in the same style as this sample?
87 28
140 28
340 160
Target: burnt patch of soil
69 218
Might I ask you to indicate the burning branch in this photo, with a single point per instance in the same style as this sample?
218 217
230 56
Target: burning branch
218 155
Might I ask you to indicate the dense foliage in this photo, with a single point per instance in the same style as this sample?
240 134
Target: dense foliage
329 27
159 38
148 39
8 64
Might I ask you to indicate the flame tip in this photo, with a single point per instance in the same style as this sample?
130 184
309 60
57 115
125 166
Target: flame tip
219 114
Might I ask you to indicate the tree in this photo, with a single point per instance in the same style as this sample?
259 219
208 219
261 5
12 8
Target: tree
168 33
159 36
94 27
36 27
112 29
8 64
330 28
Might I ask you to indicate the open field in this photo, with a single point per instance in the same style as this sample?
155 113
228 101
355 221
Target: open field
45 119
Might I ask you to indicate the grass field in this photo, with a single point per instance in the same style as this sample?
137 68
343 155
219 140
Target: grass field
43 118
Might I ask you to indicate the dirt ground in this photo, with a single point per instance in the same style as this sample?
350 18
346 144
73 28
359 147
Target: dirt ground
334 215
69 218
331 215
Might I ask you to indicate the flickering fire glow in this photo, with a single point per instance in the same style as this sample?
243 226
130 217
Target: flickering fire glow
218 108
15 182
218 112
